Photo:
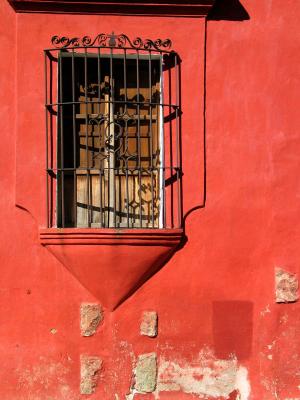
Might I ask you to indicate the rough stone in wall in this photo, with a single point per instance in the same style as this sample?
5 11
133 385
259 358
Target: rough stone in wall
145 373
286 286
91 315
149 324
90 367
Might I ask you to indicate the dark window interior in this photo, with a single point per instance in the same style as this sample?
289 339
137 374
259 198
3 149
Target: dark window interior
109 148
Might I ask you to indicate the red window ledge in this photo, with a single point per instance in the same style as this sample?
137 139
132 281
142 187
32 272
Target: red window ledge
145 237
112 264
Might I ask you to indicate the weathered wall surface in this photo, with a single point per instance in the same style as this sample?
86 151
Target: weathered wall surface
221 319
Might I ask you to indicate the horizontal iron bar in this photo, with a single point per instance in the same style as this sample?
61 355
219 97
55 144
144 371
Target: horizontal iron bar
143 57
147 103
147 51
116 169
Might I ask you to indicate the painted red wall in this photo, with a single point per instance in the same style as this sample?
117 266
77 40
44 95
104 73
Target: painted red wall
215 298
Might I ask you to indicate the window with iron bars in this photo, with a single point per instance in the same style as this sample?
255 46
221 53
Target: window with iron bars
113 133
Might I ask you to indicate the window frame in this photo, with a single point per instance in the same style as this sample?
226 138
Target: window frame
155 53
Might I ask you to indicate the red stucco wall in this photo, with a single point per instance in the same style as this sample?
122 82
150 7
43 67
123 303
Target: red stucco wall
215 298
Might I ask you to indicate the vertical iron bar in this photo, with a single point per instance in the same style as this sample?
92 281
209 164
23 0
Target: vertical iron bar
47 161
125 81
99 79
151 138
74 139
50 134
125 111
139 136
99 128
90 196
62 175
127 189
86 135
109 137
112 100
170 155
177 143
162 141
159 157
159 161
100 194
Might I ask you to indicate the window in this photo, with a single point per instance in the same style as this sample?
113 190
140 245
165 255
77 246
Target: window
113 141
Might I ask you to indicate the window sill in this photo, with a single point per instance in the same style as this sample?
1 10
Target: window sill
111 264
86 236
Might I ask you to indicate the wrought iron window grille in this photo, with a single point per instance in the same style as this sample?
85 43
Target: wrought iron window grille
113 138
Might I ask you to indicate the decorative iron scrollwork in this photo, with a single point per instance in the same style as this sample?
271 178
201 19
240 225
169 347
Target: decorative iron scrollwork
112 41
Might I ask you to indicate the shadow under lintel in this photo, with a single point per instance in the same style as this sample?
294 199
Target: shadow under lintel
228 10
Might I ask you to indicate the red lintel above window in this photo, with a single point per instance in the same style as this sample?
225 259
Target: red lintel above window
197 8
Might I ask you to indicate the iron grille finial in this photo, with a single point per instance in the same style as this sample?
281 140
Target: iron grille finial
112 40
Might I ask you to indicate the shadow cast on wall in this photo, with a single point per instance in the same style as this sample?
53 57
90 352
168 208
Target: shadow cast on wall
239 313
225 10
233 328
228 10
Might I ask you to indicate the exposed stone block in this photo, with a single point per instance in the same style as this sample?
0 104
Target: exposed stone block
91 315
146 373
149 324
286 286
90 367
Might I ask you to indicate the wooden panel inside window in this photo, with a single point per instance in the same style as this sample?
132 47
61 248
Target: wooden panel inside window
110 142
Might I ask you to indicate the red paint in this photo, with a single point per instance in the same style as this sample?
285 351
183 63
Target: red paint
232 328
124 259
249 225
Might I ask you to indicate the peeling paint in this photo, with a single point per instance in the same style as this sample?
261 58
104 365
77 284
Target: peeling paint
206 376
46 375
265 311
242 383
271 384
42 375
284 319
